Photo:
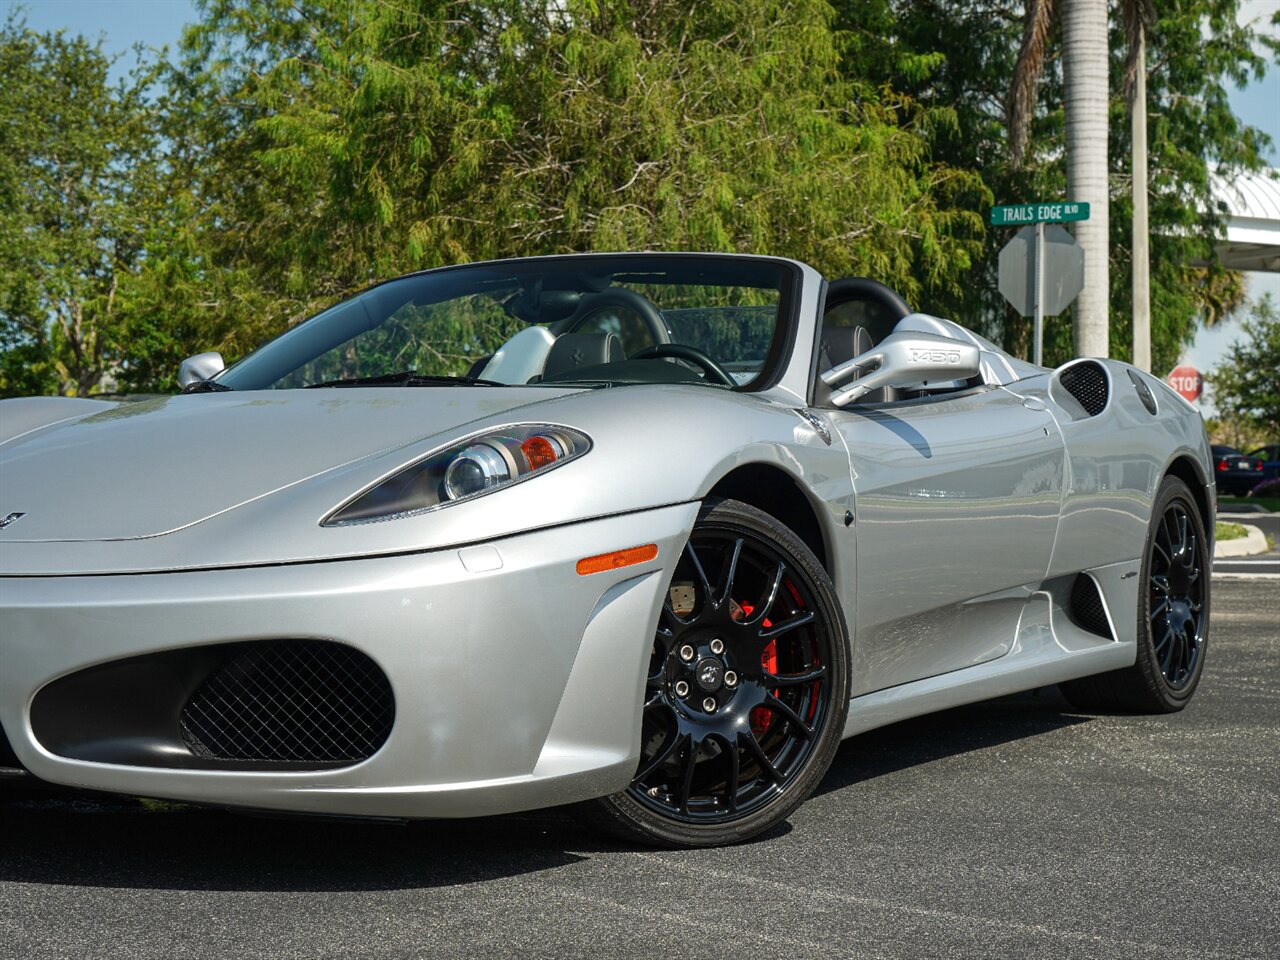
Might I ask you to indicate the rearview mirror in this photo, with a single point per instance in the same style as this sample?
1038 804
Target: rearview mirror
200 367
906 359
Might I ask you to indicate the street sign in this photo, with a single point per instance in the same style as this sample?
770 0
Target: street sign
1063 271
1188 381
1023 214
1041 272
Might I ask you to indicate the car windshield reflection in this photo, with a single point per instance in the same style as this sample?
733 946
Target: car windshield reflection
567 321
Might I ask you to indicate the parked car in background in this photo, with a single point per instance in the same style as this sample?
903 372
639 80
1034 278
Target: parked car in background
1235 472
1270 457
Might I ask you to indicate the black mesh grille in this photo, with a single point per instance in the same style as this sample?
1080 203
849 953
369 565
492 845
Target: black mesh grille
1086 606
300 701
1087 382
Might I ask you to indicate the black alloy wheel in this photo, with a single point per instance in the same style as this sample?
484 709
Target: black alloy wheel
1176 592
1173 615
747 688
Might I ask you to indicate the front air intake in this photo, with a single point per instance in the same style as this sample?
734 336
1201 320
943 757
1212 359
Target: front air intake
290 701
1087 382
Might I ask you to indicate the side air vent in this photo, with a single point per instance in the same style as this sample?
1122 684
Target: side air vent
299 701
1087 611
1087 382
1144 392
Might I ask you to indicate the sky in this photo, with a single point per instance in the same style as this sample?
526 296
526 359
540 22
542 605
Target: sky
157 23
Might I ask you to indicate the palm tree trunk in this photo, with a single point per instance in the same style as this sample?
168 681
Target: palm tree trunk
1141 233
1085 62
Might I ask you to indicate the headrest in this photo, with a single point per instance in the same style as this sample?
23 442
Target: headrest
543 306
844 343
574 350
839 344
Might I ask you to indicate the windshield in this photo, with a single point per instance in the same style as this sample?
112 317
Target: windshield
594 320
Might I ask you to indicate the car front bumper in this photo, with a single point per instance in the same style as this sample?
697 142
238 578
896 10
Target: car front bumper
517 681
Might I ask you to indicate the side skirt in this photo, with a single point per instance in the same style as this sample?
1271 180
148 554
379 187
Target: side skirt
1049 649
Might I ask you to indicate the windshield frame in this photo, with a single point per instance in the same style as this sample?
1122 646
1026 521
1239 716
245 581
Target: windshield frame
790 291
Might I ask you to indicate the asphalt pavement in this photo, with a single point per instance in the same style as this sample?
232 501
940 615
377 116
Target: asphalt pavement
1014 828
1265 565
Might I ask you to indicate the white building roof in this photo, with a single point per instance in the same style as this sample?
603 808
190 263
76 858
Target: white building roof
1252 201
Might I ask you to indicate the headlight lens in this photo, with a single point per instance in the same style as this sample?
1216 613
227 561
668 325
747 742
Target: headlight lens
463 471
475 470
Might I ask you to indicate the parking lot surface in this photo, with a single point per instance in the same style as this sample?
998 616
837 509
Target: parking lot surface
1014 828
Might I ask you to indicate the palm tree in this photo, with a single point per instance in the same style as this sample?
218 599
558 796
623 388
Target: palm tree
1139 15
1085 63
1087 92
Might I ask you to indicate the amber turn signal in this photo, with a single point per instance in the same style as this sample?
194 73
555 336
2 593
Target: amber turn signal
617 559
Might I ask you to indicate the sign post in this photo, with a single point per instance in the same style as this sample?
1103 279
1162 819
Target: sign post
1067 261
1038 325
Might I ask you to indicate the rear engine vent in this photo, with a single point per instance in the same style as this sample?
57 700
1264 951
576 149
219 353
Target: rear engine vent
291 701
1087 611
1087 382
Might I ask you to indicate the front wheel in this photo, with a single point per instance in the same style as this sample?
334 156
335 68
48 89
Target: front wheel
747 690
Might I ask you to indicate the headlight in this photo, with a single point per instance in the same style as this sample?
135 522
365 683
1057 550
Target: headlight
464 471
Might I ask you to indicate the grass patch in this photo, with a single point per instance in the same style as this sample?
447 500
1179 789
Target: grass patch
1229 531
1271 503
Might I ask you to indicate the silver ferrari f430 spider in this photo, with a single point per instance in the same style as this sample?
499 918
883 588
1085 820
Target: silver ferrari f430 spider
645 533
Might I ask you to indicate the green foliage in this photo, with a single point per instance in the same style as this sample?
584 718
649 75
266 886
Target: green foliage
1246 384
77 168
1195 49
379 138
1229 531
298 150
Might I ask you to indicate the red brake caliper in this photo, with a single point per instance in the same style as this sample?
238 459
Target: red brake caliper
761 717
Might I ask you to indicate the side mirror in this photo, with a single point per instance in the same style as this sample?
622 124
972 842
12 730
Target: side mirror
200 367
905 359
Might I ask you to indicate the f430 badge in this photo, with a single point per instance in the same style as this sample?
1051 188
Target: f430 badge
935 356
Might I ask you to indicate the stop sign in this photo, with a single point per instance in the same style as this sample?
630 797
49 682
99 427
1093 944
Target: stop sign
1187 381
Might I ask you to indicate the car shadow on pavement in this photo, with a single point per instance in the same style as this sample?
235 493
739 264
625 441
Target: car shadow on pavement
62 839
71 840
910 743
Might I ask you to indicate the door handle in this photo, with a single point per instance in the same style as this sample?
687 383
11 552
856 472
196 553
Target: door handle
1033 403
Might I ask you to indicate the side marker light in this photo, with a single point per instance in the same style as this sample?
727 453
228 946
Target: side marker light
619 558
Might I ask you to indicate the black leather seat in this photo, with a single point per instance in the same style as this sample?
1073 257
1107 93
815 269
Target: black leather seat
837 345
573 351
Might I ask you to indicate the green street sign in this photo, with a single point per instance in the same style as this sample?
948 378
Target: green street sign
1021 214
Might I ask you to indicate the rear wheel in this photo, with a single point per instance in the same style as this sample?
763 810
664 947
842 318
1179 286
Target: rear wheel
747 689
1173 616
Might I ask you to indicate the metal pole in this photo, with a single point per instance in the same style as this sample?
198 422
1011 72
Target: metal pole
1038 330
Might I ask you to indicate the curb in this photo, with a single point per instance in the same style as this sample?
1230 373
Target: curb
1254 542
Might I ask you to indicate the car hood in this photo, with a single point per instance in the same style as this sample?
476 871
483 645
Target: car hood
138 470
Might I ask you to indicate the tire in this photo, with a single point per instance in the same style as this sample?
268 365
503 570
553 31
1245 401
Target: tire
1173 616
747 691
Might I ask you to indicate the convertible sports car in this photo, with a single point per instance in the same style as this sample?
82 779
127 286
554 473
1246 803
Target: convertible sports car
650 533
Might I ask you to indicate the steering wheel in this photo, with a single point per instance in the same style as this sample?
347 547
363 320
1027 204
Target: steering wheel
682 351
636 303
